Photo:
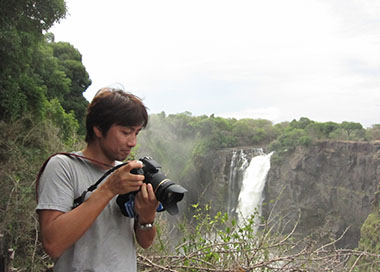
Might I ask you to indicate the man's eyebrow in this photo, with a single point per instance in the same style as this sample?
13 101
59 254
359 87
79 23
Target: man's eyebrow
135 129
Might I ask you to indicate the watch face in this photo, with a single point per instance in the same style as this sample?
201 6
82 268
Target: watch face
145 226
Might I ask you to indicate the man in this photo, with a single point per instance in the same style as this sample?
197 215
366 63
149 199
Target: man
95 236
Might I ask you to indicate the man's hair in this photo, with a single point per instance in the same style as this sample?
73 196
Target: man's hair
114 106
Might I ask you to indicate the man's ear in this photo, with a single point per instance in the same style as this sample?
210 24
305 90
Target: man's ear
98 133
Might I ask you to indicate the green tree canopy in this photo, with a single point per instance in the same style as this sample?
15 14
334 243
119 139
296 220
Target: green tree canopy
70 61
22 23
34 69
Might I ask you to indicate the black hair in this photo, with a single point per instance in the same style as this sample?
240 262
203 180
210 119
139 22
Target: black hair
114 106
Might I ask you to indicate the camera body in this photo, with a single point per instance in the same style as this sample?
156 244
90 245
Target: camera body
166 191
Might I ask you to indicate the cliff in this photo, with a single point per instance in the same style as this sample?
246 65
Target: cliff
331 185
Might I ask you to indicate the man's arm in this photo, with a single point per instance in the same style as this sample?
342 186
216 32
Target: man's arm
60 230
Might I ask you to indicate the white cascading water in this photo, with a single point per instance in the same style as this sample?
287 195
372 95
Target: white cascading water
251 193
239 164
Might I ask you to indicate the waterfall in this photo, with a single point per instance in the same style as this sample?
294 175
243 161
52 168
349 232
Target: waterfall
238 165
251 193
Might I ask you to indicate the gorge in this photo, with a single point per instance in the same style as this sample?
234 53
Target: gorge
328 185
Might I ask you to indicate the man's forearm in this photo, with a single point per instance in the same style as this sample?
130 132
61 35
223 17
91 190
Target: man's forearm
144 237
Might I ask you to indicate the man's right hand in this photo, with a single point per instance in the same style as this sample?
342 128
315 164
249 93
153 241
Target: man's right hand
122 181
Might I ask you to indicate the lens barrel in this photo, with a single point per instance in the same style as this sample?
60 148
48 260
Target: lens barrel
167 192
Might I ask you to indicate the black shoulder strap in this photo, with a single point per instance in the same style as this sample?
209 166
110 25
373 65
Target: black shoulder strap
79 200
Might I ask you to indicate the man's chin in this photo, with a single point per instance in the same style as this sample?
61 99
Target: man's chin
123 156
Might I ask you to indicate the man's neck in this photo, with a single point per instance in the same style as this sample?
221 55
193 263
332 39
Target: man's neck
93 153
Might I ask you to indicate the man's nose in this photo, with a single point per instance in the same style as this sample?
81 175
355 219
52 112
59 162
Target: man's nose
132 140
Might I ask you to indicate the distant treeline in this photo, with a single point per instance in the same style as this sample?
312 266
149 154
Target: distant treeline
211 132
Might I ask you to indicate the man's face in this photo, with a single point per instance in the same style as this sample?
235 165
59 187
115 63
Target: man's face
119 141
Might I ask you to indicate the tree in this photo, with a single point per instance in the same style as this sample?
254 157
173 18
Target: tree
373 133
22 24
70 61
353 129
301 124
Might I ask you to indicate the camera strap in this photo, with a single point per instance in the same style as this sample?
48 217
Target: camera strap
79 200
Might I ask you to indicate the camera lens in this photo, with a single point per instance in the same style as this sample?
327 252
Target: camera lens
170 197
167 192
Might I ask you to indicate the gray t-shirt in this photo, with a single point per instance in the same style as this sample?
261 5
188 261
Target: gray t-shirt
109 244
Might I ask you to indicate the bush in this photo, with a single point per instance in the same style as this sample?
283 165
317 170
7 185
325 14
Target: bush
219 243
24 146
66 122
369 242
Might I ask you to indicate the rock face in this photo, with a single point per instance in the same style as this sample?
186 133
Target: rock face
330 184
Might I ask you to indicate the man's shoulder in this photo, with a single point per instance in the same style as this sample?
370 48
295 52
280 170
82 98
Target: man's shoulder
60 160
64 156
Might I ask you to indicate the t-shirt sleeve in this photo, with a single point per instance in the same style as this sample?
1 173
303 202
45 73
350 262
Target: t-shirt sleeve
55 186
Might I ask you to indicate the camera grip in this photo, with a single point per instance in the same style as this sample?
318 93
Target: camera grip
137 171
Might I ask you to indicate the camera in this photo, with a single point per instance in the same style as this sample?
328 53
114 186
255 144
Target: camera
167 192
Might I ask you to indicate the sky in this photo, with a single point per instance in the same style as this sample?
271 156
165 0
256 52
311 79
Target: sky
274 59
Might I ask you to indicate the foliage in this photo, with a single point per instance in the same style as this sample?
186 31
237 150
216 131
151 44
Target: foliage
34 69
24 145
21 26
66 122
31 16
209 132
370 239
373 133
34 84
45 79
217 243
70 62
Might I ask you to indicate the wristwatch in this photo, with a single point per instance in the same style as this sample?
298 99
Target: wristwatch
146 226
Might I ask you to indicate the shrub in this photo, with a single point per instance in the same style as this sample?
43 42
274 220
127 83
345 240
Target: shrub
219 243
24 145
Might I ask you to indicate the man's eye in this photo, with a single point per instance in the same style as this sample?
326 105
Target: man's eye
127 132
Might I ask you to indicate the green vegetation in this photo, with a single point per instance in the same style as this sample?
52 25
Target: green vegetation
24 145
33 69
210 132
370 240
42 110
218 243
